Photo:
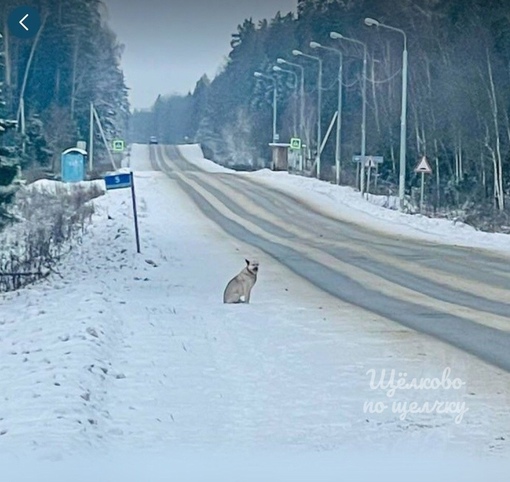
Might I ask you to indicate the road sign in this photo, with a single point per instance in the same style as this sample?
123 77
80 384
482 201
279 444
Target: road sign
365 161
369 161
295 143
423 166
118 181
118 145
373 159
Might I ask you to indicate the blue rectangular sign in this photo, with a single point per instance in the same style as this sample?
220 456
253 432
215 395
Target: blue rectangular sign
118 181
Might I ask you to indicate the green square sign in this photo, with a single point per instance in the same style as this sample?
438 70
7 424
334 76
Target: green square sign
118 145
295 143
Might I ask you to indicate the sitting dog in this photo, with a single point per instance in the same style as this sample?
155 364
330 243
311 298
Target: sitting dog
239 288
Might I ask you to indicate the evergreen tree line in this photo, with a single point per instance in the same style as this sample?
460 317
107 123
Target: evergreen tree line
73 61
458 94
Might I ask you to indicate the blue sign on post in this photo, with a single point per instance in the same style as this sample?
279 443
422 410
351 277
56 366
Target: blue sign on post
119 181
73 165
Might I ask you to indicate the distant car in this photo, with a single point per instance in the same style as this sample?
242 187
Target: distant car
153 140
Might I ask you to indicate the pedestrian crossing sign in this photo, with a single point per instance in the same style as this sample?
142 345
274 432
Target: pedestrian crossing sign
118 145
295 143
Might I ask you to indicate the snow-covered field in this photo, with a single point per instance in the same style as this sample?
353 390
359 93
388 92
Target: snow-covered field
347 204
134 357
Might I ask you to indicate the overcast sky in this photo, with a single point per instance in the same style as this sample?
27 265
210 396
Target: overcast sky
169 44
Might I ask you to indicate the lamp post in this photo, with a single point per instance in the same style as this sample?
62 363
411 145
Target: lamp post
316 45
338 36
277 68
262 76
319 100
302 103
402 176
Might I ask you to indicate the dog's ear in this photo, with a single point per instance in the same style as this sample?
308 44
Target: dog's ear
247 262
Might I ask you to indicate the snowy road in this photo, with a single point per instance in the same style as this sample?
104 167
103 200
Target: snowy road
458 294
127 353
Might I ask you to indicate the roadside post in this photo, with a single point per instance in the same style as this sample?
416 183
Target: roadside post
422 167
118 148
120 181
296 149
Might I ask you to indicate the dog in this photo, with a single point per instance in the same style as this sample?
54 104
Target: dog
239 288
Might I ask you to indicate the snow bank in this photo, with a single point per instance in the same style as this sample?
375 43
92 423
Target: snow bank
345 203
193 153
57 186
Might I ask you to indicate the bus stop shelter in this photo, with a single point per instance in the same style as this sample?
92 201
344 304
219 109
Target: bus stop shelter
279 156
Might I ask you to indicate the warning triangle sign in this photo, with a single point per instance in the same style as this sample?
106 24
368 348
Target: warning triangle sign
423 166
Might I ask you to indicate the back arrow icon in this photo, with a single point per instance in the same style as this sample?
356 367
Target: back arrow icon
22 20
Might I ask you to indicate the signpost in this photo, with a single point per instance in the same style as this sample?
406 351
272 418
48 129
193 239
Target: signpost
120 181
370 162
422 167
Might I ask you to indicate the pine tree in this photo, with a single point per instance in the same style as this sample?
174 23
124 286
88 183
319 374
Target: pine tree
75 62
9 164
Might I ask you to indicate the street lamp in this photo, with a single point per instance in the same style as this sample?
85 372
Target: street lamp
402 176
262 76
338 36
302 100
319 100
316 45
277 68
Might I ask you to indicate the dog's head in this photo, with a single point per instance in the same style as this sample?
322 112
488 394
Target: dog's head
252 266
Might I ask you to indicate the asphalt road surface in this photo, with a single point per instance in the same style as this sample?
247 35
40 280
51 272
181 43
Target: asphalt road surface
459 295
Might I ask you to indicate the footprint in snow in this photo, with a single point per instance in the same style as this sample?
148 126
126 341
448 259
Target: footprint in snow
92 332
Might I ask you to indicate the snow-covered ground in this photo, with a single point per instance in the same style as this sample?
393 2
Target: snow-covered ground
346 203
136 356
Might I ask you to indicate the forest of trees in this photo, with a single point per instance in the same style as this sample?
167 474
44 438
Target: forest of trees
458 94
73 61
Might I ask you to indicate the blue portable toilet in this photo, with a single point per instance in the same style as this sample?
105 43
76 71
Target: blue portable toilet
73 164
